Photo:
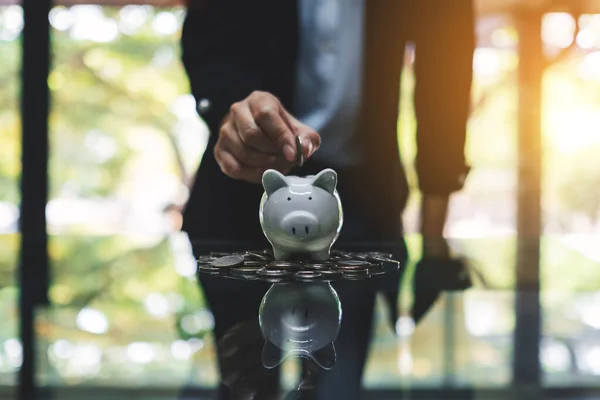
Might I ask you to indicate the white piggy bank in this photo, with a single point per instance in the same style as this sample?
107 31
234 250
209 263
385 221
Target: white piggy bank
301 215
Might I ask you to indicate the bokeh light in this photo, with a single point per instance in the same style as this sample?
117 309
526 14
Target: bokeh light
132 18
165 23
14 352
558 30
61 18
157 305
554 355
141 352
11 23
92 320
405 326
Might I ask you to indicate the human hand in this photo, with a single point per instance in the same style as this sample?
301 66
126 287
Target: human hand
258 134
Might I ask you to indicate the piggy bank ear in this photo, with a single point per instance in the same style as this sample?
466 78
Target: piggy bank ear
273 180
326 180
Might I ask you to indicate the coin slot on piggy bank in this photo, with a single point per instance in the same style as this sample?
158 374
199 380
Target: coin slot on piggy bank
300 320
301 215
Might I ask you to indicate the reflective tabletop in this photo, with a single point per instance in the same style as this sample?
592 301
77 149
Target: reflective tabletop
504 318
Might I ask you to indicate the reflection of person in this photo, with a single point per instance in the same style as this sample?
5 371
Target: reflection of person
328 71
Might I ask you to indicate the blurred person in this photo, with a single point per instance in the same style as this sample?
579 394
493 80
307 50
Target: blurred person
328 71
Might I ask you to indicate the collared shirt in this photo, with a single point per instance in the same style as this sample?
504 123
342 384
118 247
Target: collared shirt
329 77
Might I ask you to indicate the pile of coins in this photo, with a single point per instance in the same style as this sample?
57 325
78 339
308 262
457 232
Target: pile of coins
260 265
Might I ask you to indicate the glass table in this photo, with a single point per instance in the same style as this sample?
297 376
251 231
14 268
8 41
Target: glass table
511 318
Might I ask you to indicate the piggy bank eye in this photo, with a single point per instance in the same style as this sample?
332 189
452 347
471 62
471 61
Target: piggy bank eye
289 198
310 198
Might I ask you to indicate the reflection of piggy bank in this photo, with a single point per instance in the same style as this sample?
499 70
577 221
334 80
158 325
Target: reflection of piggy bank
301 320
301 215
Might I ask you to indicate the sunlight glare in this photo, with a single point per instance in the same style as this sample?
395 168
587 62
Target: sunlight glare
558 29
61 18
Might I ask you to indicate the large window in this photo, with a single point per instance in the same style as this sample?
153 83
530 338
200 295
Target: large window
125 140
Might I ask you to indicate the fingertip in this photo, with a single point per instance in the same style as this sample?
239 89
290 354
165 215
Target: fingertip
310 148
312 143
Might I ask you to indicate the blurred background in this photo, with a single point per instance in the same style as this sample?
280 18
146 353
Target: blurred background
125 139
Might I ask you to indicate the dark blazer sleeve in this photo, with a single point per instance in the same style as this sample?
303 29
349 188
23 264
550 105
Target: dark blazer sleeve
231 48
445 42
219 60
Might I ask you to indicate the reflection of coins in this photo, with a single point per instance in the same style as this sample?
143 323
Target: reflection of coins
356 275
377 272
299 152
283 265
308 276
208 269
274 274
228 261
330 275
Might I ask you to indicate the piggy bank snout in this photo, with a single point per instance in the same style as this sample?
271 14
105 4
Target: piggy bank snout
300 224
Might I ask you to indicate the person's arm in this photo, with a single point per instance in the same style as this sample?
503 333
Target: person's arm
445 42
227 51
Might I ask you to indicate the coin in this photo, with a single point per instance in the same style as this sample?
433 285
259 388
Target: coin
205 259
228 261
217 254
380 254
254 263
308 276
208 269
318 266
256 255
390 267
299 152
360 256
284 265
245 272
379 257
274 273
353 265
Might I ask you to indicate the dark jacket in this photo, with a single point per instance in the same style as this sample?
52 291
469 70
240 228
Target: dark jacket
233 47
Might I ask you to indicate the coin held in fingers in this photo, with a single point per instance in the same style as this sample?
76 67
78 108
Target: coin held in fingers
299 152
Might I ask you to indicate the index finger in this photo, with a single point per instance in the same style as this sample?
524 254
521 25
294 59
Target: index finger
269 118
